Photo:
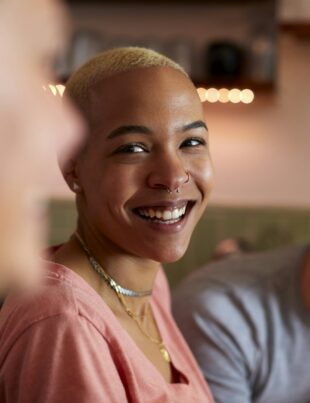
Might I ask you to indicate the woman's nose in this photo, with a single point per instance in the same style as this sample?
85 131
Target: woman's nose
169 174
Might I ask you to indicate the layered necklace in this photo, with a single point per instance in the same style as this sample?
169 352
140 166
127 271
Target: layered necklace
120 293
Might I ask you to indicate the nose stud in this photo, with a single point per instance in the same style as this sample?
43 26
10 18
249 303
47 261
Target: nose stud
177 190
187 180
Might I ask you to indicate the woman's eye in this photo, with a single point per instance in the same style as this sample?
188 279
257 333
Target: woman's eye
132 148
194 142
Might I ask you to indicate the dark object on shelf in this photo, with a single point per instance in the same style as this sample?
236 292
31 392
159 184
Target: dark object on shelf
262 57
224 61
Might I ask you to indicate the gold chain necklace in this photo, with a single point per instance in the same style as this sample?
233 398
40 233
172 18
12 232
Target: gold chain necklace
115 287
163 350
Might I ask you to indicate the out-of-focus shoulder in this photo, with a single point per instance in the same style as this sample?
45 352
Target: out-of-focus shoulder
246 271
53 297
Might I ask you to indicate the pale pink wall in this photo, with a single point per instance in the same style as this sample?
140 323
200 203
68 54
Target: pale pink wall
261 151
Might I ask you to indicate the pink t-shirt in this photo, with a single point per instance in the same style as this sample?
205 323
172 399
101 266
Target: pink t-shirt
64 345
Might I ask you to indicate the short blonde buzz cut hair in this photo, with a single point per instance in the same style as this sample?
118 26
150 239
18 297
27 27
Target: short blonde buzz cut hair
108 64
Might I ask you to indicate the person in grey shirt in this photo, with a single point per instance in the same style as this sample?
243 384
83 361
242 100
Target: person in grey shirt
247 321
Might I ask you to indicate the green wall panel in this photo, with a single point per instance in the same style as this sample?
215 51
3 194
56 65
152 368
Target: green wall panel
263 227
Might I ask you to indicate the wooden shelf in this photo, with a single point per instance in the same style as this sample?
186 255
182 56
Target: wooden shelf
266 87
167 2
301 29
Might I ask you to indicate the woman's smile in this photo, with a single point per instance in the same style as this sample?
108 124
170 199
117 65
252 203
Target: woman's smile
165 216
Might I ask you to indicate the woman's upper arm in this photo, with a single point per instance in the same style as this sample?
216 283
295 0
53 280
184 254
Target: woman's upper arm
59 359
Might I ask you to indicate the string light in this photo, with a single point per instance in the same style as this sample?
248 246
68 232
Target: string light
225 95
235 96
55 89
61 89
202 92
247 96
212 95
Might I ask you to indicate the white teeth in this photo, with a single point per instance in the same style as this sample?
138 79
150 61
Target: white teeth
167 215
158 214
163 215
176 213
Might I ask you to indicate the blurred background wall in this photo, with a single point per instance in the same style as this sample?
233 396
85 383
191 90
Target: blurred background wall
260 150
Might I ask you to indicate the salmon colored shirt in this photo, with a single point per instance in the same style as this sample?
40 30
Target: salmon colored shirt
64 345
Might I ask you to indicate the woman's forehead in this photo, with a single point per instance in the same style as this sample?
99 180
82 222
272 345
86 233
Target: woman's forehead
144 96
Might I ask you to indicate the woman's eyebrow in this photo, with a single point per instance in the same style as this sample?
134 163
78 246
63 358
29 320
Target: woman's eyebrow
123 130
195 125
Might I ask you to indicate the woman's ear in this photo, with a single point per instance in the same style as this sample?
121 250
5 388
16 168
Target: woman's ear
70 174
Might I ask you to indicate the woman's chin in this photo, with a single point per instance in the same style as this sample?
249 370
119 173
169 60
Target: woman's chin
169 255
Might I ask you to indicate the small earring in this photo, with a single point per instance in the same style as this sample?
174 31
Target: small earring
187 180
75 187
169 190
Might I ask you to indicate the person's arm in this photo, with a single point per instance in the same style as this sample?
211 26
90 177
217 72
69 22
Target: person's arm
61 359
217 332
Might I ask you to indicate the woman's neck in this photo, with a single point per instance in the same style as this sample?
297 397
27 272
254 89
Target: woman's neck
130 272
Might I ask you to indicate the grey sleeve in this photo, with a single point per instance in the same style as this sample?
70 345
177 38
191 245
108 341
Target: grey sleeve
220 335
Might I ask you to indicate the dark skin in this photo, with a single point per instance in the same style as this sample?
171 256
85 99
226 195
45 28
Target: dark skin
150 136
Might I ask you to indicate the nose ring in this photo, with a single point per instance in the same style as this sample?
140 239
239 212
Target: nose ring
178 188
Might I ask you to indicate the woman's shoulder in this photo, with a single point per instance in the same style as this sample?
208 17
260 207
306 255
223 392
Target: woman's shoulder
62 293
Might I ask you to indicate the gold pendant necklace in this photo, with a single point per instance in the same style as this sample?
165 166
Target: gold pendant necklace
121 290
160 344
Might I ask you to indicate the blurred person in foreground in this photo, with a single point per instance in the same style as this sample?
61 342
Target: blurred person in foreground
247 321
101 329
32 124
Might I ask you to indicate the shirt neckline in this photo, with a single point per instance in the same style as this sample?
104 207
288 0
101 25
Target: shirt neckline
66 274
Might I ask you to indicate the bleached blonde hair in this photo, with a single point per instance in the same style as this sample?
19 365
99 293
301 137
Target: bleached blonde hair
108 64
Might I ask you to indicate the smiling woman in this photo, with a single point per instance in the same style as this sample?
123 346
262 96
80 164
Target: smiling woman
142 180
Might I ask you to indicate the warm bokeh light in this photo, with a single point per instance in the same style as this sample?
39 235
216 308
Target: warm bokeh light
61 89
202 93
247 96
235 96
56 90
212 95
53 89
224 95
